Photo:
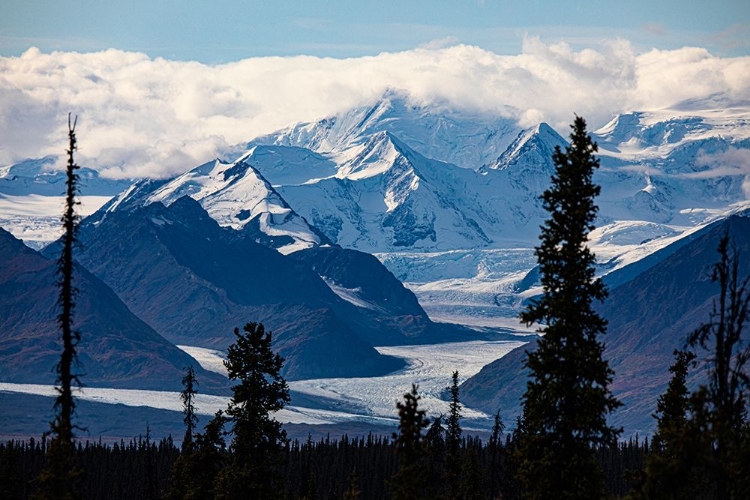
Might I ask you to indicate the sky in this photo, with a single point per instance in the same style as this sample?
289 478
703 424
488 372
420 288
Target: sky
160 87
224 31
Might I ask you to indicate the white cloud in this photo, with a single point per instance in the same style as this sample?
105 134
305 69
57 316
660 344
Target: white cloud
732 157
732 161
142 116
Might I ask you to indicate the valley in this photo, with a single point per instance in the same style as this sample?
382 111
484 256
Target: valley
341 401
389 244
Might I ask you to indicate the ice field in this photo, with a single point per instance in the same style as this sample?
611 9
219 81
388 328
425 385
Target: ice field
340 399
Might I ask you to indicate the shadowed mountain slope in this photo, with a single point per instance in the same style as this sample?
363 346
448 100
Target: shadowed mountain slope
649 317
117 349
194 281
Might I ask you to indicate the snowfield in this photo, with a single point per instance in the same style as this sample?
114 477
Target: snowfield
374 398
210 359
469 287
35 219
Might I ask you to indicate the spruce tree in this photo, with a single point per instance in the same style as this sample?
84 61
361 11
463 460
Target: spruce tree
495 451
672 406
258 439
567 399
669 470
60 476
453 467
435 444
183 478
209 459
409 482
719 408
187 395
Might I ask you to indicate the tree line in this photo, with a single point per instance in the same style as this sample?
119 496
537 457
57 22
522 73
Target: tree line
561 446
360 467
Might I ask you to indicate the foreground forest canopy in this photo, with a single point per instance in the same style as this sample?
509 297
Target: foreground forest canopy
561 446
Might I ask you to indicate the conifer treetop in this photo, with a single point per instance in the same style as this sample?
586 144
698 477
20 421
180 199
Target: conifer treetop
567 400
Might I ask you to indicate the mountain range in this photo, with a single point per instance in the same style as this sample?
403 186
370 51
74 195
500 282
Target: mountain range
281 230
193 281
397 176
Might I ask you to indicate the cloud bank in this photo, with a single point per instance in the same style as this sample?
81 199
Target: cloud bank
155 117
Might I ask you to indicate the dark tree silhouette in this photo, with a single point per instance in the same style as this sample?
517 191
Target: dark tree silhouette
496 455
187 395
185 479
258 439
209 459
453 442
720 407
409 483
669 468
59 478
435 443
567 398
672 406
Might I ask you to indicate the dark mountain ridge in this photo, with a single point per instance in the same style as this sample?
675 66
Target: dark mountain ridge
648 317
193 282
117 349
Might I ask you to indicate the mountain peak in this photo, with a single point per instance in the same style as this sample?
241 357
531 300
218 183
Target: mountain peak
621 128
535 144
375 155
468 139
234 195
39 176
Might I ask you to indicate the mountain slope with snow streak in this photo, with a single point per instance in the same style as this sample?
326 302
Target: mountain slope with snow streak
235 195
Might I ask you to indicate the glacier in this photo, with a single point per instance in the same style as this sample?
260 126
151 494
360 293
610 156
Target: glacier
370 399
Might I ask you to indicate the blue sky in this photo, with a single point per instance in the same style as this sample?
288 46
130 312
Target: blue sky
222 31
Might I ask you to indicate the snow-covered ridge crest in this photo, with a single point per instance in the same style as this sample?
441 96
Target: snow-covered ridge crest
468 139
234 194
643 135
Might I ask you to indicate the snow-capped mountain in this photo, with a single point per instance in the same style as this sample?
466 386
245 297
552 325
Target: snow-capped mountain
386 196
431 179
663 173
32 193
654 134
534 146
391 193
680 166
464 138
235 195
